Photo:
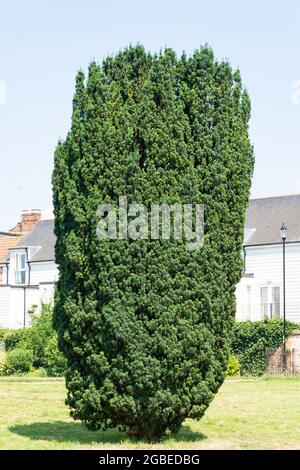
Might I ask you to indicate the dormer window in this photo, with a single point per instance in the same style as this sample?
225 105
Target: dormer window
20 268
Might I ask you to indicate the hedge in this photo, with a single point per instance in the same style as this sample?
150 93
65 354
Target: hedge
250 340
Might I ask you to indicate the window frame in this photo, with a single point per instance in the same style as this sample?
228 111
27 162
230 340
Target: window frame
269 308
20 271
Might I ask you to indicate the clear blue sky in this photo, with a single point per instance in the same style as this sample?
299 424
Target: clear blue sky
44 43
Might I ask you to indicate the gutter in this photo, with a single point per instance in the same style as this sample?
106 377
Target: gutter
7 272
29 267
10 234
24 313
244 251
32 286
271 244
42 261
25 287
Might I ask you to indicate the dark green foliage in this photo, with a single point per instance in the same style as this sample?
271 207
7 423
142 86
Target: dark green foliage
145 325
250 340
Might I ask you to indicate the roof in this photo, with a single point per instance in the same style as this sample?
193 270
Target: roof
265 216
7 241
41 236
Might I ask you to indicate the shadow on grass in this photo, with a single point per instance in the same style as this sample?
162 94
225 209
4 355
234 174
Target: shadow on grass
186 434
61 431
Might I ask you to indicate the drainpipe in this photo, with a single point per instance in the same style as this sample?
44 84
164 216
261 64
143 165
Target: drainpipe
28 284
29 267
244 250
24 319
7 273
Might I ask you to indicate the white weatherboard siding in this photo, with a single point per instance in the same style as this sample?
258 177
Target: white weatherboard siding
43 272
4 275
244 299
31 276
14 305
265 264
46 292
4 306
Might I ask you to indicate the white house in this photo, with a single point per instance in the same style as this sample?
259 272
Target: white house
30 272
28 277
260 292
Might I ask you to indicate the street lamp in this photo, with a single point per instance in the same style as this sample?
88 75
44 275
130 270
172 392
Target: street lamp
283 234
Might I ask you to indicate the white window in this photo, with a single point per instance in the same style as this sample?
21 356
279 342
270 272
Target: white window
264 291
249 303
275 305
270 302
20 268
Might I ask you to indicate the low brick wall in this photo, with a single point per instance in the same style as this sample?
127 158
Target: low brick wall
288 362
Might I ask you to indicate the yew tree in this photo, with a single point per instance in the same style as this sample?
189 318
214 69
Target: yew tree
145 324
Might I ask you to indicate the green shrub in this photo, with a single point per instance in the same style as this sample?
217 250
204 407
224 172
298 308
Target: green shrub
55 361
233 367
250 340
2 333
41 332
146 325
18 361
17 338
40 372
34 338
3 355
40 340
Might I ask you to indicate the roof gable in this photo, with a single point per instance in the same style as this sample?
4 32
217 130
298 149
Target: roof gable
41 236
266 216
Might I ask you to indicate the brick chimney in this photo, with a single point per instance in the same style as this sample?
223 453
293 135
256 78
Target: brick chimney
28 221
13 236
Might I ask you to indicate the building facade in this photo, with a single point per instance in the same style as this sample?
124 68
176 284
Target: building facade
10 238
29 271
260 291
29 276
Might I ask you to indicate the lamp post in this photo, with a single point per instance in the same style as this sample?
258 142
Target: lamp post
283 234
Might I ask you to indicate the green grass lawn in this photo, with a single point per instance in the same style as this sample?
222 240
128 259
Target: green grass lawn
246 414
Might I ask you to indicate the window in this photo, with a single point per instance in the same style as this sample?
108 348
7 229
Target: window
248 312
264 301
20 268
270 302
275 305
